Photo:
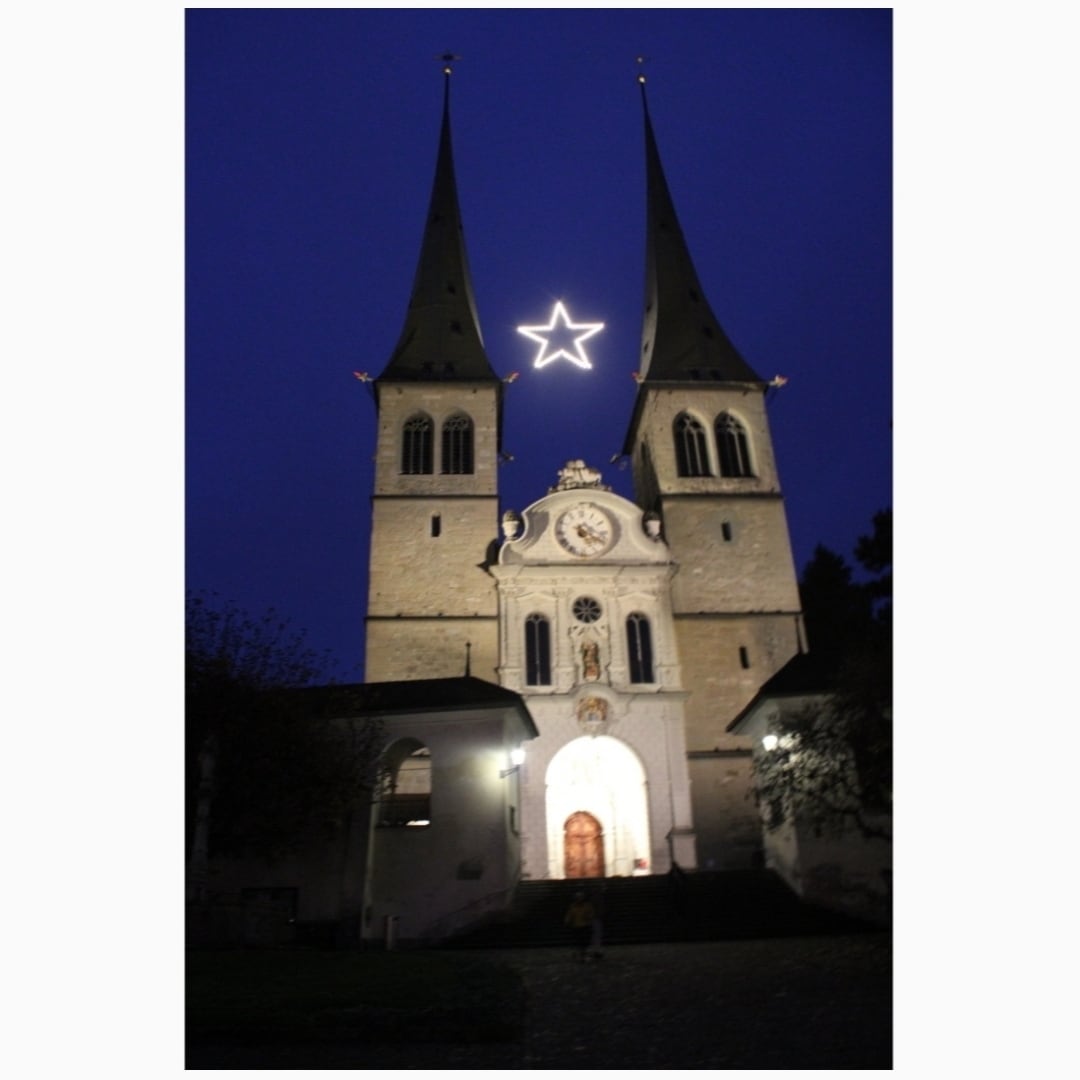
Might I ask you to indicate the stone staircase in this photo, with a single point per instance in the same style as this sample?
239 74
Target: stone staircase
698 906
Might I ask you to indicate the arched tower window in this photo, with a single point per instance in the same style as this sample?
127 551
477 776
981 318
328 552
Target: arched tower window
537 651
416 445
639 646
405 785
691 451
457 445
734 447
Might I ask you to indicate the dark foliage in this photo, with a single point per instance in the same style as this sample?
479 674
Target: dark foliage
276 767
833 764
837 611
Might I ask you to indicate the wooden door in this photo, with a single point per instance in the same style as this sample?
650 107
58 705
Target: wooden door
583 843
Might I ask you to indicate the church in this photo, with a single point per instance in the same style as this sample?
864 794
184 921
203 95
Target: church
557 680
634 632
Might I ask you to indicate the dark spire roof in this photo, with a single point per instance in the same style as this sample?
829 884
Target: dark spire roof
681 339
441 336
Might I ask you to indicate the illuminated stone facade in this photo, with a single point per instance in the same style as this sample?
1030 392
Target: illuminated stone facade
431 603
608 675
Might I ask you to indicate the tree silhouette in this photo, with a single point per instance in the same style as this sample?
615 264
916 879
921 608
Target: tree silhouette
270 764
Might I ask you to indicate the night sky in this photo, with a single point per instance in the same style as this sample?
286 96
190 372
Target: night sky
311 142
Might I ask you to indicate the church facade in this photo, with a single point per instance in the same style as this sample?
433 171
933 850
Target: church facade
555 686
634 632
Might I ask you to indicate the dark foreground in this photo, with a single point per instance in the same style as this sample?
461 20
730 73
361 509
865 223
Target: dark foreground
785 1003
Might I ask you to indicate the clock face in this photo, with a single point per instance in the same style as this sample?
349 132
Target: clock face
585 530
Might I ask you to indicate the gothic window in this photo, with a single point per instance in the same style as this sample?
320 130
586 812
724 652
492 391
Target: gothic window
416 445
733 446
691 451
537 651
405 785
457 445
639 646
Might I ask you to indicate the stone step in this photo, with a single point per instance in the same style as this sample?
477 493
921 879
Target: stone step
706 906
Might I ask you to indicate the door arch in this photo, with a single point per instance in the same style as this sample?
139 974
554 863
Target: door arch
583 846
602 778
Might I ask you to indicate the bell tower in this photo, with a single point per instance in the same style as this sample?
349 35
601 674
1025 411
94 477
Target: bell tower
703 461
431 601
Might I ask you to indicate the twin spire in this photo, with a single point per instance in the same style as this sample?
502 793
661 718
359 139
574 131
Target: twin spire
441 337
681 337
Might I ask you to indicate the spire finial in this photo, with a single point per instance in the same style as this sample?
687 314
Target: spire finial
446 59
468 659
640 61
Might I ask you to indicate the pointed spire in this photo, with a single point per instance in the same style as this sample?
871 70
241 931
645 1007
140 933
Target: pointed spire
681 338
441 336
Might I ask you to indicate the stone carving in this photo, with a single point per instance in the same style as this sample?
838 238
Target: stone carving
576 474
592 714
511 524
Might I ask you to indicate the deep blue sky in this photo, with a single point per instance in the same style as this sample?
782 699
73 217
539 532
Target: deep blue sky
311 140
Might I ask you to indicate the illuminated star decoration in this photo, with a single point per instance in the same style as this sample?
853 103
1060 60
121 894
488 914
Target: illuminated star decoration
543 334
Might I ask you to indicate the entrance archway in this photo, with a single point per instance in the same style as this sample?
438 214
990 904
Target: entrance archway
583 846
597 778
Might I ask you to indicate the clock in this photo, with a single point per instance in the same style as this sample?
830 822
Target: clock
585 530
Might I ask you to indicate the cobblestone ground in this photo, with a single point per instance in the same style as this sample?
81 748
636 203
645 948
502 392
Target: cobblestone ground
803 1003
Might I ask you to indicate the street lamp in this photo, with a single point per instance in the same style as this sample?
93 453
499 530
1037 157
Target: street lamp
517 759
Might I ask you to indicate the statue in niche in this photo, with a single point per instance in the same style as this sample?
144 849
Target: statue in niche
590 661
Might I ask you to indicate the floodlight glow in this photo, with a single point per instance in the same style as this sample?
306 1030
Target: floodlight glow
770 742
543 334
517 756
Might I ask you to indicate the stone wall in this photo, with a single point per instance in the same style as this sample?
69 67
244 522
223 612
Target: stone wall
733 554
726 820
713 672
436 648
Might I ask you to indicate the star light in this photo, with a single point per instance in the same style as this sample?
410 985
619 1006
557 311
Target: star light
543 334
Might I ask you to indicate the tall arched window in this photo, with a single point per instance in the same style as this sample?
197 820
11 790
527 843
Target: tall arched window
537 651
734 448
691 451
416 445
457 445
639 646
405 785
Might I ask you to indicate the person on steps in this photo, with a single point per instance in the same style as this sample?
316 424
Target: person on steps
579 917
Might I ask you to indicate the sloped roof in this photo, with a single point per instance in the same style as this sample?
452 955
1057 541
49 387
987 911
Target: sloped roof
416 696
682 340
805 673
441 337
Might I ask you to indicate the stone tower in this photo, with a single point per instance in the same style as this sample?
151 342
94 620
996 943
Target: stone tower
435 503
703 460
